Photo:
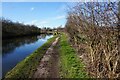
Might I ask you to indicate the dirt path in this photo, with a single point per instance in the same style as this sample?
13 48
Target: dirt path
48 67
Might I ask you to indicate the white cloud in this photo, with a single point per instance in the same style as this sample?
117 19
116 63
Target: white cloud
43 22
33 22
62 8
32 9
37 23
59 17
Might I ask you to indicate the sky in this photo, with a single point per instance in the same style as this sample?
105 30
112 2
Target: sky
41 14
58 0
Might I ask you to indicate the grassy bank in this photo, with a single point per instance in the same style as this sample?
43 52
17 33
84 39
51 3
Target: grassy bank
27 67
70 64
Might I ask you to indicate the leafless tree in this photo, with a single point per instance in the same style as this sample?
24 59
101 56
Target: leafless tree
93 26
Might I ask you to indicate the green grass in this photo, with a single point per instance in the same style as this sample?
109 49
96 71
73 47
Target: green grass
27 67
70 65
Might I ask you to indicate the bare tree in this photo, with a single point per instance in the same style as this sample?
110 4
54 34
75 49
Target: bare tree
94 26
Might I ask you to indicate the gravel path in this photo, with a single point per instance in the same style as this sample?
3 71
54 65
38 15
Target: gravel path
48 67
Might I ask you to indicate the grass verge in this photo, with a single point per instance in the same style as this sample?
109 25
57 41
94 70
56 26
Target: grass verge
27 67
70 65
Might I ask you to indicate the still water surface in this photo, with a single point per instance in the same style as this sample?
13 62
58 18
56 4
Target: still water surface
15 50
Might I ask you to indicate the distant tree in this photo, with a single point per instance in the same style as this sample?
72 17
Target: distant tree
12 29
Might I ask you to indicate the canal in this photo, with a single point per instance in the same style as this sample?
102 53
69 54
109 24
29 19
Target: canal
16 49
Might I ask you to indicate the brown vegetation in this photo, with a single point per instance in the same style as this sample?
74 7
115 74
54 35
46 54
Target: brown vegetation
93 28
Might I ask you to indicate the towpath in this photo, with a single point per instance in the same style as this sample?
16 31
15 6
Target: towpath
49 64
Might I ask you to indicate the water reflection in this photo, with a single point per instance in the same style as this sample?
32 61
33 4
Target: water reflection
9 45
15 50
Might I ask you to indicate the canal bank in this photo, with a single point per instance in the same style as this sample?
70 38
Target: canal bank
71 66
15 50
55 59
27 67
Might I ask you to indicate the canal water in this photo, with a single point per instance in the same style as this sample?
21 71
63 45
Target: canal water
17 49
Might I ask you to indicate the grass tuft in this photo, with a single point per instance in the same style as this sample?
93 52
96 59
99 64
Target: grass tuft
70 65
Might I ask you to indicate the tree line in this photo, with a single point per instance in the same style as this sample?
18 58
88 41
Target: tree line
93 28
13 29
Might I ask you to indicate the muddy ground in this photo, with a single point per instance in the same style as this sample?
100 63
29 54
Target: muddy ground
49 64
